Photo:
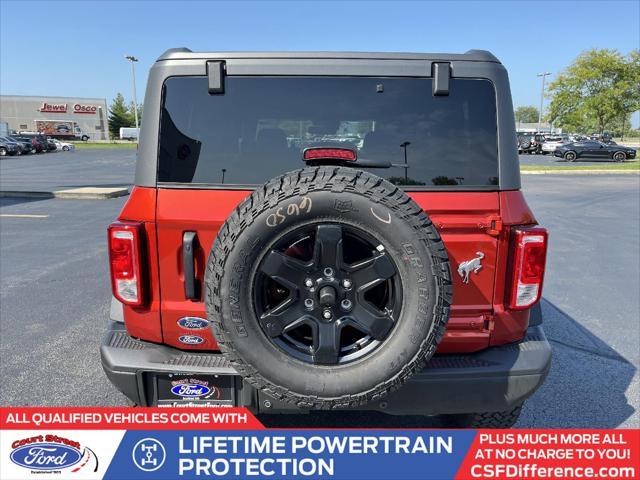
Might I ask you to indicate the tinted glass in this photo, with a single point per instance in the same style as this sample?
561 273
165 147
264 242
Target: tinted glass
258 128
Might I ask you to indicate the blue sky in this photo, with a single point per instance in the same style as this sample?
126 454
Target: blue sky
77 48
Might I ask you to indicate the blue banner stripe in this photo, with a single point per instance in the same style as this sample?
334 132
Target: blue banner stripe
346 454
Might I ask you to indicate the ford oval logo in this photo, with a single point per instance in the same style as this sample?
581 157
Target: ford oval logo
190 390
193 323
191 339
45 456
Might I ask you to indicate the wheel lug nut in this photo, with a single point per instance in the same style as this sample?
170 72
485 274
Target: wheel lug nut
346 304
308 303
346 283
328 272
308 283
326 314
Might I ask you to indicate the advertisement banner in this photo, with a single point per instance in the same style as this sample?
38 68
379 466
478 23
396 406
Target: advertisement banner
169 443
54 127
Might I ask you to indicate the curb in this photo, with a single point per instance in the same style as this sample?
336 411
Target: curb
84 193
579 172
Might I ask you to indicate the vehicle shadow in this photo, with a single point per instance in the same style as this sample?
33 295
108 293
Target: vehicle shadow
584 389
12 201
594 160
588 381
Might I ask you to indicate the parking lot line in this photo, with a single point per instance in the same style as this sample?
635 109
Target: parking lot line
17 215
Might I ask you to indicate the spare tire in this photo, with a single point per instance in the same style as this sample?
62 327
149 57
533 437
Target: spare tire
328 287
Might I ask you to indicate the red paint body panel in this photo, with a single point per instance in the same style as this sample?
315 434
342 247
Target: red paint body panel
509 325
514 209
462 218
203 212
144 322
469 222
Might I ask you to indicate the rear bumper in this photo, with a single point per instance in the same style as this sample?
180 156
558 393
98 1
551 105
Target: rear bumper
495 379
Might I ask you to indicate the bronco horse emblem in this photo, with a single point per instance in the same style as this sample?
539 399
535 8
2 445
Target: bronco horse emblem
473 265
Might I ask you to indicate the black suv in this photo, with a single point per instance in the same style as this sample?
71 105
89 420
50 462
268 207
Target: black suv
25 144
8 147
530 142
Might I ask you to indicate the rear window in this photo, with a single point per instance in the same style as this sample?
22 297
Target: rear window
258 128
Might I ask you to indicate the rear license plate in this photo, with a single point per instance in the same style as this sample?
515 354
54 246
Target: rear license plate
195 390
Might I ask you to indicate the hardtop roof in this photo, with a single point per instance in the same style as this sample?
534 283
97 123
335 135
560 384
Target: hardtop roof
469 56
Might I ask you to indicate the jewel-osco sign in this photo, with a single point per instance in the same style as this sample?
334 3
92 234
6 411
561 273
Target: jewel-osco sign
54 107
80 108
62 108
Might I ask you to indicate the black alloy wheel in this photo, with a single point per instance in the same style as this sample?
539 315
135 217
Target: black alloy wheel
619 156
327 293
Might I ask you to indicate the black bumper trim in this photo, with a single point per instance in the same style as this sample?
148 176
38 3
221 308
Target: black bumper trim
495 379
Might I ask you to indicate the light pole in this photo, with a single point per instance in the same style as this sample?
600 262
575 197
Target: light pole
133 60
404 146
544 76
224 170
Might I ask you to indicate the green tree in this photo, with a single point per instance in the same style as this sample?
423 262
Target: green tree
628 92
598 89
620 126
131 112
526 114
119 116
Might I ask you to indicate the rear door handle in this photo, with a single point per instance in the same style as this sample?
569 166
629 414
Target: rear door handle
189 240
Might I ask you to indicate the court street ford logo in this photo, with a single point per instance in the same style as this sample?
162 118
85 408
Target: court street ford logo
46 453
191 339
191 388
193 323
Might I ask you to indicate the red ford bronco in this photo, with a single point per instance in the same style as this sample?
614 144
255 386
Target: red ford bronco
328 231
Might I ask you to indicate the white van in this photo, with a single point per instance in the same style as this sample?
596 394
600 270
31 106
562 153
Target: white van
129 133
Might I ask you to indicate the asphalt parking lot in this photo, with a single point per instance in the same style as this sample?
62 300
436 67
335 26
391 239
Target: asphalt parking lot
54 294
102 167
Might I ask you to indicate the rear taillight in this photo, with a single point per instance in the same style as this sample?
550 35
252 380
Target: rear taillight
125 257
528 258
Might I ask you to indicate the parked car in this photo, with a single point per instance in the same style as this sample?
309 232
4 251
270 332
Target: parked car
24 143
578 138
39 145
38 141
331 286
601 137
524 142
7 147
64 146
595 150
551 143
530 142
51 145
